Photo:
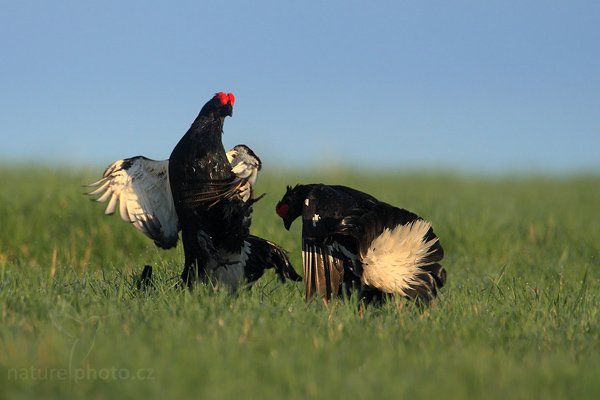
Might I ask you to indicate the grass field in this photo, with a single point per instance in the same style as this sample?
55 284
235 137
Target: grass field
518 318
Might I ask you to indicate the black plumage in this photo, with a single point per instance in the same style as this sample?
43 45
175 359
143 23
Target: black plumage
212 219
265 254
352 240
204 192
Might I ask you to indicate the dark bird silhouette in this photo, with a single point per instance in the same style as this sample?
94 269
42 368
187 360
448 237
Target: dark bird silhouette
205 193
352 240
144 281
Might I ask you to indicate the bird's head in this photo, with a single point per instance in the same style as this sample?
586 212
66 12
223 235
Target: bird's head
289 207
220 106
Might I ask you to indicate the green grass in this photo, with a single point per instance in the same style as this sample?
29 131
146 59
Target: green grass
518 318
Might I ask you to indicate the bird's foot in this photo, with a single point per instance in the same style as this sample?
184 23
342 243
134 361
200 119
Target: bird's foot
145 280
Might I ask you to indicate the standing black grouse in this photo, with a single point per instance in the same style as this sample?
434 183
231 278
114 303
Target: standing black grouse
204 192
352 240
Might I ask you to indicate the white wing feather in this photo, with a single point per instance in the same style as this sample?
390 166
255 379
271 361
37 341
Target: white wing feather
245 165
141 188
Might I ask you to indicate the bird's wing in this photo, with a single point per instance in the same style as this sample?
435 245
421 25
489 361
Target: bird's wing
245 165
264 254
323 269
213 191
140 187
326 267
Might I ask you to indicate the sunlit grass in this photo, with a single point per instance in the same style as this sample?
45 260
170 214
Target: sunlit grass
517 319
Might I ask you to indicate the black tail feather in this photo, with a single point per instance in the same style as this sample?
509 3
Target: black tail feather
265 254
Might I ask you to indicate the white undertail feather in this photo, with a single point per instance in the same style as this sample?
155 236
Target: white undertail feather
395 257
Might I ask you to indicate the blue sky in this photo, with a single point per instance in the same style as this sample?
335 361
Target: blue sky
465 85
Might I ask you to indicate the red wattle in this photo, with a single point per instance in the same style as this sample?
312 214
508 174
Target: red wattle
282 210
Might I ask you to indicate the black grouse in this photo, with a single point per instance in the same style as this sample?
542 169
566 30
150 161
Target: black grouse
352 240
203 192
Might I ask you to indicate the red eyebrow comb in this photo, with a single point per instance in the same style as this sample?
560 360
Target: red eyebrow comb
225 98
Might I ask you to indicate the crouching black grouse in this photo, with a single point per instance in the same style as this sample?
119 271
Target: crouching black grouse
203 192
352 240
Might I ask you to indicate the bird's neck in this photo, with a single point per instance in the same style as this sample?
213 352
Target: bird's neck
205 127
